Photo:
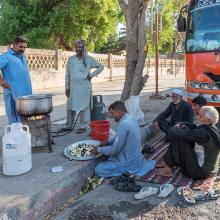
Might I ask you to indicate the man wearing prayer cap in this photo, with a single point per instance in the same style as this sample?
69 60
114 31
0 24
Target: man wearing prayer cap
178 111
78 87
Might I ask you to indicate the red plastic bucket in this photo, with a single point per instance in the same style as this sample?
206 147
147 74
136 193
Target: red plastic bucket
100 130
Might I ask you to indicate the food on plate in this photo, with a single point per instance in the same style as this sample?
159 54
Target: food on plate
82 150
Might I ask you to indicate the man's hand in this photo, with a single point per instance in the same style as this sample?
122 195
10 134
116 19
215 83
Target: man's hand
67 92
94 150
4 84
156 125
178 125
89 77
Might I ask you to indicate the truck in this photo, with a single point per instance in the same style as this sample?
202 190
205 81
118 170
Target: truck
200 20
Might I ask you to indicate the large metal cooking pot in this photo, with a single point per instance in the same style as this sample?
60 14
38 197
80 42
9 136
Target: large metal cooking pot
33 105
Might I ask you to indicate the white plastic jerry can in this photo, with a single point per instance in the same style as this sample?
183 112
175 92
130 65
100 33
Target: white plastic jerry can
17 158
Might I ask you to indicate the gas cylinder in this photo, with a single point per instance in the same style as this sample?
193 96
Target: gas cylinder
99 110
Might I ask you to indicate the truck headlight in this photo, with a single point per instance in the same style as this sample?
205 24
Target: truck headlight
202 85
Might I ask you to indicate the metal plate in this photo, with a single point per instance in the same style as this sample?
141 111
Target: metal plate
70 146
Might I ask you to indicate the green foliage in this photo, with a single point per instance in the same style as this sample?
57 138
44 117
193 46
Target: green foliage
169 37
58 23
114 45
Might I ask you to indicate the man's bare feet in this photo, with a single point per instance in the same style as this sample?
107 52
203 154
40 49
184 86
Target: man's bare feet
165 171
160 164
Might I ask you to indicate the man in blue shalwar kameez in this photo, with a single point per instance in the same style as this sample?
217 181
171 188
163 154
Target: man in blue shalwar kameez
15 78
124 150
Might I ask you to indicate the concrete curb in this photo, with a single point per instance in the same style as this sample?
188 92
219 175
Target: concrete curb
63 186
39 202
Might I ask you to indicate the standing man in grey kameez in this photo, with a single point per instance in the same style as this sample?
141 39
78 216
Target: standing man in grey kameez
78 86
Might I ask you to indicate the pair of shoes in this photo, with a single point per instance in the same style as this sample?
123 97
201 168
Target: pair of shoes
127 186
203 195
164 191
191 198
117 179
147 149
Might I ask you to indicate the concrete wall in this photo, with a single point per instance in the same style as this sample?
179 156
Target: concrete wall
47 67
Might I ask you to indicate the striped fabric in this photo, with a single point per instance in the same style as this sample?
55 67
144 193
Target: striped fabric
176 178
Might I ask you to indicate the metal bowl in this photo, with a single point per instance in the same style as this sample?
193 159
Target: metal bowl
33 105
74 145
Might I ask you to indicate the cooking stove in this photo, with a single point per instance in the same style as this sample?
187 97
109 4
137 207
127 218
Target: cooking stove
40 130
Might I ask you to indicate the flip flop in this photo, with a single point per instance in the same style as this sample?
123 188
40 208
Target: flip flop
128 186
186 194
214 194
203 195
165 190
145 192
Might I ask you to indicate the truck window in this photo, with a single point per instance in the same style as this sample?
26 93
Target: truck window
203 30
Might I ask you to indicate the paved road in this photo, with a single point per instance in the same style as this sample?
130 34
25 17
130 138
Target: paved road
106 89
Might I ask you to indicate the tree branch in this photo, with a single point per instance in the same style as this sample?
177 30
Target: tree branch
123 6
142 28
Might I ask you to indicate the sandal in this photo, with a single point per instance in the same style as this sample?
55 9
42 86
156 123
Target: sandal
202 195
118 179
214 194
128 186
165 190
186 194
145 192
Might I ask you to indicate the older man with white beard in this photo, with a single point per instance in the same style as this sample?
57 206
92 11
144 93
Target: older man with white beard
178 111
183 141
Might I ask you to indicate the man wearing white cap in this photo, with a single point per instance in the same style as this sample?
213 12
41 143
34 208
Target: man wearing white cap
78 86
178 111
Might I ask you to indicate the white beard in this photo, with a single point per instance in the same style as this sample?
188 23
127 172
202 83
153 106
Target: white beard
176 102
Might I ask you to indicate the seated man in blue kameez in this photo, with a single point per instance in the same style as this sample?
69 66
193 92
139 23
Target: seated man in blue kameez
124 150
15 78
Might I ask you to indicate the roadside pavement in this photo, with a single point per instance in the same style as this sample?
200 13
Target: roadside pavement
34 194
105 203
111 91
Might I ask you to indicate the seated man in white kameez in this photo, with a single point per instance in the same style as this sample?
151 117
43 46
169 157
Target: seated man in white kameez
78 86
124 150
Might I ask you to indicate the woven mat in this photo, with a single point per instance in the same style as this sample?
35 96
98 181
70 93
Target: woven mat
176 178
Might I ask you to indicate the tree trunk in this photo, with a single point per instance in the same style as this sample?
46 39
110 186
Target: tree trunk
61 41
135 16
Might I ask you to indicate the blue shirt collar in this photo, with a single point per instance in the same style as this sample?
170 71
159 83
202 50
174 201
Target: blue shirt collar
123 117
13 52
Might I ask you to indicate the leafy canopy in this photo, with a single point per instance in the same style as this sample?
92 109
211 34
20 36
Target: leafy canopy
58 23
